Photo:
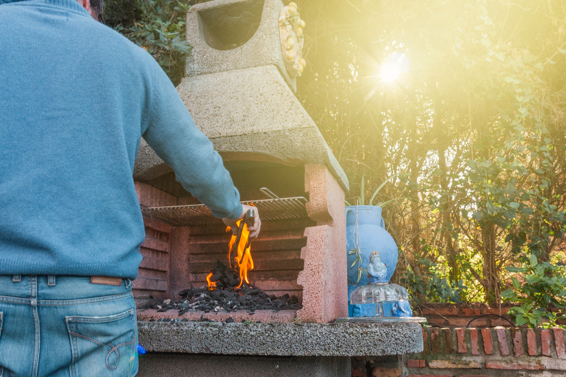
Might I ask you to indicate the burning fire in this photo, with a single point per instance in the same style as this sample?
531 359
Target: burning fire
243 258
211 284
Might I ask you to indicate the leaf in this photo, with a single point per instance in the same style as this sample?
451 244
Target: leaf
352 251
355 261
528 211
508 294
380 187
478 215
500 56
486 42
514 269
533 260
512 204
359 276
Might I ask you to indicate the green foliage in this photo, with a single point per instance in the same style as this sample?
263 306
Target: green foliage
361 199
118 12
434 287
358 261
476 122
539 287
157 26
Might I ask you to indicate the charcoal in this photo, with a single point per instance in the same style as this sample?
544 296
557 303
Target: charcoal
217 276
229 274
229 320
221 266
226 296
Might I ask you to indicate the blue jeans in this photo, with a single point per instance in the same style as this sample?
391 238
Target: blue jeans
65 326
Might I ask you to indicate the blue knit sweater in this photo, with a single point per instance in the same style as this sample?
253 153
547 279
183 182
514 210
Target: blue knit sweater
75 99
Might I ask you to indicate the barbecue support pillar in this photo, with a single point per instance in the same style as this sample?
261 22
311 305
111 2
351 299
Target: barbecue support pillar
324 277
186 365
179 262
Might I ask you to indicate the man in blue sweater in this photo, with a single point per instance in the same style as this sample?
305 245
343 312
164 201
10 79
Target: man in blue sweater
75 99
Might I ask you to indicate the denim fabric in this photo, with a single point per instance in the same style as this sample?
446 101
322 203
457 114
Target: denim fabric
65 326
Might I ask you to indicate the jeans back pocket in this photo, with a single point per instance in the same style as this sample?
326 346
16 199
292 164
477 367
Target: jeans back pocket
103 345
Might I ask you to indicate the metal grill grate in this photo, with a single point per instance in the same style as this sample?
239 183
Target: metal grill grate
199 214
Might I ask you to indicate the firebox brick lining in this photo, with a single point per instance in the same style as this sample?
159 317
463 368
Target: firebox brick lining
282 339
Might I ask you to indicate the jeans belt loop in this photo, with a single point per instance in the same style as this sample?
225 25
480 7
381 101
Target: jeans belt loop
51 280
17 278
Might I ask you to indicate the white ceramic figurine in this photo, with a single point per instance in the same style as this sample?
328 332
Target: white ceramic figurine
377 271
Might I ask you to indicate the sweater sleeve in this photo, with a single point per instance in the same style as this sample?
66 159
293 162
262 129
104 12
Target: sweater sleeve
172 133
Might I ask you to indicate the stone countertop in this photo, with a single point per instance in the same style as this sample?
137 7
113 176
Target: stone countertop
282 339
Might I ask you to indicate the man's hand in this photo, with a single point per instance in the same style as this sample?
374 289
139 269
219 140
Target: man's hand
254 230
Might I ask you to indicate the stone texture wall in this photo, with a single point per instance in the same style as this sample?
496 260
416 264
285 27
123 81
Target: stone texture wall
467 352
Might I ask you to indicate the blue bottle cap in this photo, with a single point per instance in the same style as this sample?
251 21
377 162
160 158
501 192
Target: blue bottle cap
141 350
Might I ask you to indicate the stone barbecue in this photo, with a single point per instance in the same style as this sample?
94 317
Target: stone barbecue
239 88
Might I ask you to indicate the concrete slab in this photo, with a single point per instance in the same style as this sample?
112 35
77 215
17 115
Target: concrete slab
182 365
233 34
238 315
251 111
281 339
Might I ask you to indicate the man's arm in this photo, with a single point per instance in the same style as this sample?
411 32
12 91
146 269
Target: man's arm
173 135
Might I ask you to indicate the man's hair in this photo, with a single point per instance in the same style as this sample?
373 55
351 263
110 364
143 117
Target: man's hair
97 6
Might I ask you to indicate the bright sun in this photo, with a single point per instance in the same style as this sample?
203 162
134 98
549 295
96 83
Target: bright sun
389 72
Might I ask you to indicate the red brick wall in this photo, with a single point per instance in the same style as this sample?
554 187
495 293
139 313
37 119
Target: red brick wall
450 315
487 352
152 282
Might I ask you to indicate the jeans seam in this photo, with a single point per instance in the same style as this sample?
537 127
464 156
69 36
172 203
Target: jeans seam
110 318
83 301
72 371
1 326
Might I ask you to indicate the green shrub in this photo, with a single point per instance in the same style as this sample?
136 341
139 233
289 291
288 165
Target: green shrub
156 25
544 287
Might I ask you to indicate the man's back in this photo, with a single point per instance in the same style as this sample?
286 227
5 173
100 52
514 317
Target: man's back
75 98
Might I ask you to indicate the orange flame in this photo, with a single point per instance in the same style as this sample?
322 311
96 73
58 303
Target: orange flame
232 240
211 284
243 255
